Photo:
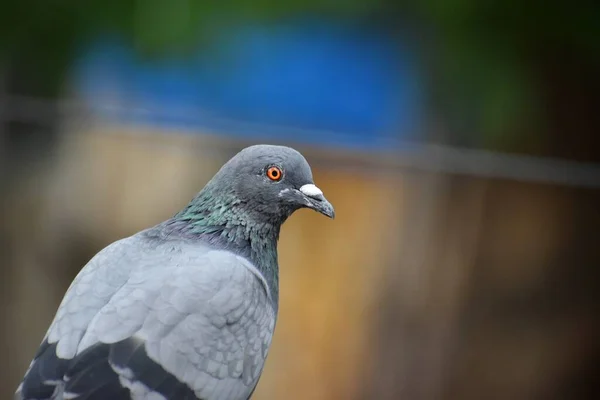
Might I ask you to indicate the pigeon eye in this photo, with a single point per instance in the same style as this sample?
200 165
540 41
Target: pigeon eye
274 173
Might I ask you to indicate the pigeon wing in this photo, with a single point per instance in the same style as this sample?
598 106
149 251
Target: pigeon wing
156 321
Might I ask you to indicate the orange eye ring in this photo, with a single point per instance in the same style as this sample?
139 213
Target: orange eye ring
274 173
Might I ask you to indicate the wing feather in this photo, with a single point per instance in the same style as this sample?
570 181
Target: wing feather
174 321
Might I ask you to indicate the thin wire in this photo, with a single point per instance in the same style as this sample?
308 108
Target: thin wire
402 155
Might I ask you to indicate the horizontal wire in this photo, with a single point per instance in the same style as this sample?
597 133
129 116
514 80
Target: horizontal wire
397 155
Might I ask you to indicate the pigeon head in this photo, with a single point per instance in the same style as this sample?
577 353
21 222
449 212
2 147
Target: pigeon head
259 188
269 183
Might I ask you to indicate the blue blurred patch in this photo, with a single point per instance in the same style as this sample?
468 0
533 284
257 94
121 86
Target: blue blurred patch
315 83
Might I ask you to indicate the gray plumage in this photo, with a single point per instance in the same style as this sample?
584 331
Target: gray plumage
186 309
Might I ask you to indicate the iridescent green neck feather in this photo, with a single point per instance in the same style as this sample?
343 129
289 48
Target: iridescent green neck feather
227 222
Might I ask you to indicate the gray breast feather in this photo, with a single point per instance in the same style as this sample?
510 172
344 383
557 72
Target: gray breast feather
202 314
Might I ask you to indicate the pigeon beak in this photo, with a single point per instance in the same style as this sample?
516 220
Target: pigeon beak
317 201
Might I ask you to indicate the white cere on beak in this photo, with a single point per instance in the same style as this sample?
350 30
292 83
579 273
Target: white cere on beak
311 190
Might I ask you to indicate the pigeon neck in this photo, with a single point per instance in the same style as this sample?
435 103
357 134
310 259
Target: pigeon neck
227 225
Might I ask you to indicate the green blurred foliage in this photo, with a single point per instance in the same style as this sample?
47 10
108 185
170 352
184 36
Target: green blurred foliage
488 55
481 56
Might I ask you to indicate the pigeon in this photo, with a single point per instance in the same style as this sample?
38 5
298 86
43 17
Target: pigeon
185 309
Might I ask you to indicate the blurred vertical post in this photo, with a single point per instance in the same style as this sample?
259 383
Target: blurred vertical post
3 120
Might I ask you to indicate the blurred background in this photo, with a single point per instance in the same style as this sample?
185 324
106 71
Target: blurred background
455 139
